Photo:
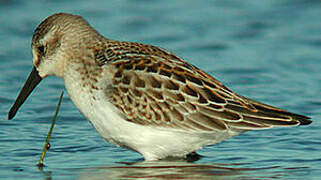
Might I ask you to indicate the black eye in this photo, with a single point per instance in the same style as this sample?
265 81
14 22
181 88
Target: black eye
41 49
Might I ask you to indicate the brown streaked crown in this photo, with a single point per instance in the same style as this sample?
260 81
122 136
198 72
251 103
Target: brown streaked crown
64 22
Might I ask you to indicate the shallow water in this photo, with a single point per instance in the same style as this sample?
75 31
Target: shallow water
266 50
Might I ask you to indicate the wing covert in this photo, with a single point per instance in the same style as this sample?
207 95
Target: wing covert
155 88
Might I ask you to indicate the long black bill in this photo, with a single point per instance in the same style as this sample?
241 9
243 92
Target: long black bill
32 81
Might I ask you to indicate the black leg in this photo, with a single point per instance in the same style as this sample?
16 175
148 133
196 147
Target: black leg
193 156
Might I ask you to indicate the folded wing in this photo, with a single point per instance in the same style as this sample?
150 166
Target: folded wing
162 90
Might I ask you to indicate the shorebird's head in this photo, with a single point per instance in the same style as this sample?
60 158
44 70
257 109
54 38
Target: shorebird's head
56 39
54 43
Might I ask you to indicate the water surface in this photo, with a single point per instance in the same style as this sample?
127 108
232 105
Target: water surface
266 50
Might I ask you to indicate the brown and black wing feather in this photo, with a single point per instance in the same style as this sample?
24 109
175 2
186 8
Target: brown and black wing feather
153 87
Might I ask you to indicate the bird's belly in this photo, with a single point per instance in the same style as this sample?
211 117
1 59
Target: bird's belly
150 141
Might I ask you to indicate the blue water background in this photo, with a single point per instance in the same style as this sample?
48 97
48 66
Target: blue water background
267 50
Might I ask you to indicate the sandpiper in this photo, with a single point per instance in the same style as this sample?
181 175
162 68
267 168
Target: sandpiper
140 96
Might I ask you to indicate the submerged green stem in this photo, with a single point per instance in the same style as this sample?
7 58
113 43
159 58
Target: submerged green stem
47 145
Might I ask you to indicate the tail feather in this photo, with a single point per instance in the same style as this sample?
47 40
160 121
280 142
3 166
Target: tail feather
273 112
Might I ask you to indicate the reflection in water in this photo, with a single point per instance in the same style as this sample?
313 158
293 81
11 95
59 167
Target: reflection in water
180 170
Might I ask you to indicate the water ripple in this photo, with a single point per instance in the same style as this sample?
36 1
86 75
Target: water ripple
267 50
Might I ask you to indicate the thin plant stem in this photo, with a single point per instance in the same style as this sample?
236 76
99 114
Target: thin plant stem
47 145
